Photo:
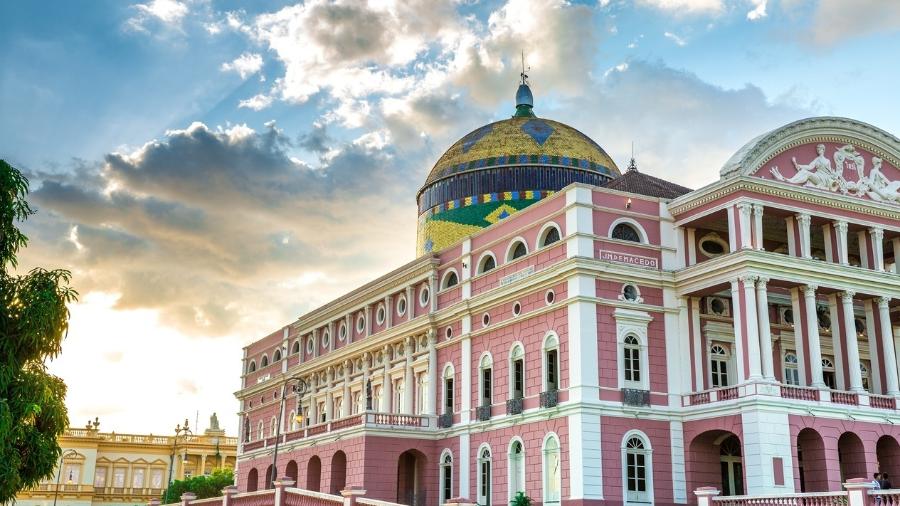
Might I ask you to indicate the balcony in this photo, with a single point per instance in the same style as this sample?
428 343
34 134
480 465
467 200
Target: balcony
550 398
812 395
515 406
445 421
635 397
363 421
483 413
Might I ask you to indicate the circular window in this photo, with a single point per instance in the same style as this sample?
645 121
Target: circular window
424 295
342 331
486 320
630 293
712 245
310 345
718 306
550 297
449 332
360 323
517 309
326 339
401 306
379 315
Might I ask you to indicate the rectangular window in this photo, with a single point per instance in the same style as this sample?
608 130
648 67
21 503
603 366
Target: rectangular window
791 376
719 369
448 395
632 365
119 477
156 478
552 381
100 477
486 387
137 480
519 379
447 483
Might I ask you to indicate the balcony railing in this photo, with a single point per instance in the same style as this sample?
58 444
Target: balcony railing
848 398
799 393
515 406
882 402
635 397
483 413
550 398
445 421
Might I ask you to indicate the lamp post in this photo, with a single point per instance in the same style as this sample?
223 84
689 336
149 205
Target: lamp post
65 454
301 388
179 432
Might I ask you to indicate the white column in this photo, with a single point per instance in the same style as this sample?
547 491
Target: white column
877 236
584 376
744 210
388 312
797 306
740 348
836 339
840 237
790 224
313 404
803 220
887 343
348 324
698 342
896 241
465 387
585 456
365 384
431 399
691 246
812 335
765 335
758 226
347 401
409 381
368 320
579 223
331 338
410 305
852 343
386 386
752 316
432 291
464 453
329 397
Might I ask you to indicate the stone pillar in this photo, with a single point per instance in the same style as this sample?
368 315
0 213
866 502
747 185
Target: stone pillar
852 343
705 495
346 407
386 386
840 237
699 342
876 235
433 366
765 330
187 497
351 493
409 381
348 324
751 314
280 485
155 502
410 304
740 346
803 221
388 312
432 292
368 320
887 344
329 396
203 456
858 491
228 495
812 335
744 210
834 301
758 226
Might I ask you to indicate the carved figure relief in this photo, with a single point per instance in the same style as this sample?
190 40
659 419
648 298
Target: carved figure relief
821 173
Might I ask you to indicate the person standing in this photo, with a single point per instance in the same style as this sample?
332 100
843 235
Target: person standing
885 482
876 485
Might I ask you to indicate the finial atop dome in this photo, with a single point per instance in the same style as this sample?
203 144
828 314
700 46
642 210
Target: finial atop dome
632 164
524 98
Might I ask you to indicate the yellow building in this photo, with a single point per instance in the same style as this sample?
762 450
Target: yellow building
127 469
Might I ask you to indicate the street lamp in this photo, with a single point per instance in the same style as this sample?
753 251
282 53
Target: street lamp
67 453
301 387
179 432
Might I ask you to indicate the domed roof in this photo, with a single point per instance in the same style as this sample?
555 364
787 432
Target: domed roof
523 141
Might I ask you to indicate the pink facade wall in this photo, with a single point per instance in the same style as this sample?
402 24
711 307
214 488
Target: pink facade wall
701 442
656 433
543 259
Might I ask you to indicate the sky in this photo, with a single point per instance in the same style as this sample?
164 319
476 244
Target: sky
209 170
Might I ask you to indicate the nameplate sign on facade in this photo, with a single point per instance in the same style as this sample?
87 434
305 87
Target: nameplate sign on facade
512 278
627 258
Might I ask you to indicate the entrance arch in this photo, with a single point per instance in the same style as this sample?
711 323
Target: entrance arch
252 480
888 452
812 465
270 477
338 472
314 474
852 457
411 467
291 472
716 460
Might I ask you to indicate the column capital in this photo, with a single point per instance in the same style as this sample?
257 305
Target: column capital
877 233
883 302
761 282
347 365
748 279
745 208
758 209
809 290
803 218
431 335
841 226
847 296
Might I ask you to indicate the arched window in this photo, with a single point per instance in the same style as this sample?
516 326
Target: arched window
276 356
552 472
828 375
516 468
517 372
487 263
450 280
448 389
636 460
632 361
295 348
718 366
291 423
551 363
264 362
485 476
516 250
247 430
486 380
549 236
273 426
625 232
791 371
261 430
252 367
446 477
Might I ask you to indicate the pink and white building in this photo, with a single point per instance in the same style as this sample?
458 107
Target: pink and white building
621 342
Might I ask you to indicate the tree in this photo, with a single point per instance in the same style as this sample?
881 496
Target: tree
203 486
34 319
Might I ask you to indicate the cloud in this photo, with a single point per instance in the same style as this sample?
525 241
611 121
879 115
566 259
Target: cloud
167 12
837 20
686 6
256 102
759 10
675 38
245 65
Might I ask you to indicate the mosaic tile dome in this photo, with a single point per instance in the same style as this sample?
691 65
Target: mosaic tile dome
501 168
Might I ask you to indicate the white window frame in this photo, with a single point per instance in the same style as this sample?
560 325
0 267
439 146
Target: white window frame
716 238
512 247
424 295
790 366
481 260
512 370
449 374
274 426
252 367
642 234
486 361
637 289
445 467
402 298
728 359
542 235
264 361
647 452
483 500
445 278
511 494
545 478
550 343
630 322
380 313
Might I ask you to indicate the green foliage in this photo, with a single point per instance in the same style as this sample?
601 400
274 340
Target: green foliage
521 500
34 318
203 486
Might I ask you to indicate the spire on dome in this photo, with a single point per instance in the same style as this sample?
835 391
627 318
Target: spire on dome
524 98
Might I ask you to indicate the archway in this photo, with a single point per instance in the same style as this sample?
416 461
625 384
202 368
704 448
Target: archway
411 467
888 452
314 474
291 472
271 477
715 460
252 480
338 472
812 468
852 457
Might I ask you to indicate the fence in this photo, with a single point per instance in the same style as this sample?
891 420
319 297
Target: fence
858 493
282 495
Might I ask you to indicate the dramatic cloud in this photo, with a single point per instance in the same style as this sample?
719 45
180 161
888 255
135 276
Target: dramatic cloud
245 65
